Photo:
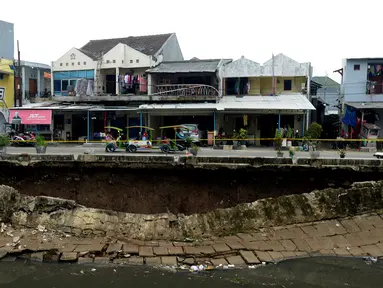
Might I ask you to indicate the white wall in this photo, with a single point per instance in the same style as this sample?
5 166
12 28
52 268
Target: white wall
125 57
355 81
80 61
171 50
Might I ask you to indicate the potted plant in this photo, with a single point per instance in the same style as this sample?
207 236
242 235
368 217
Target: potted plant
342 153
235 138
41 145
291 152
194 149
4 142
278 142
242 135
289 136
314 133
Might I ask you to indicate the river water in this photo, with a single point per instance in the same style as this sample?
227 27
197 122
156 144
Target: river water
305 273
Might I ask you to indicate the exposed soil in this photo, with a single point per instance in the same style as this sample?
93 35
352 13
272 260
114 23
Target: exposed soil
177 190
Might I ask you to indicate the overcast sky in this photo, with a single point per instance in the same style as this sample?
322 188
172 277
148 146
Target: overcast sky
320 32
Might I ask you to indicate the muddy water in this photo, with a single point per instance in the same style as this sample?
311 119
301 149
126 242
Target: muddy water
173 189
304 273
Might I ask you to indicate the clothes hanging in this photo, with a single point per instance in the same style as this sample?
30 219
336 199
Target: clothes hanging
142 82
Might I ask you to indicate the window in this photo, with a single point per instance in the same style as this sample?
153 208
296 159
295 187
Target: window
72 63
84 63
131 61
137 61
107 61
356 67
287 85
61 64
114 61
79 63
1 76
122 61
64 84
66 64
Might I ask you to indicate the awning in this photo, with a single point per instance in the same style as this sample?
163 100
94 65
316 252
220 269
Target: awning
293 102
365 105
30 117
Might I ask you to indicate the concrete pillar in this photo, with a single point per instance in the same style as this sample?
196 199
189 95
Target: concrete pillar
52 81
38 83
23 78
150 88
117 83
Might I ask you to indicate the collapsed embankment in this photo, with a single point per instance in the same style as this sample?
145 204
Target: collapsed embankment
167 184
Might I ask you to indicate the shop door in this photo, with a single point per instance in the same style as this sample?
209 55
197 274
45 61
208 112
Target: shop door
32 87
79 126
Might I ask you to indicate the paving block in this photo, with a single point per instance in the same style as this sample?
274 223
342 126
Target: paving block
259 236
277 256
310 231
169 260
288 245
372 250
264 256
376 221
232 238
153 261
353 239
136 260
245 237
165 244
145 251
191 250
235 245
206 250
102 260
160 251
273 246
38 257
188 261
350 226
328 252
66 247
339 241
113 248
357 251
342 252
121 261
85 260
176 251
323 229
363 223
92 248
130 249
221 248
249 257
218 262
235 260
69 256
288 254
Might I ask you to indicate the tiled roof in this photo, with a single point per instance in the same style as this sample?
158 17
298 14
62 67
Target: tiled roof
209 65
326 81
148 45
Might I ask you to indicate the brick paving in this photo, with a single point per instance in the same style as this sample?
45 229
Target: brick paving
352 237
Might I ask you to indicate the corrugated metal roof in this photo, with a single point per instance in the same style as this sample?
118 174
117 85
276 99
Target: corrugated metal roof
365 105
188 66
148 45
283 102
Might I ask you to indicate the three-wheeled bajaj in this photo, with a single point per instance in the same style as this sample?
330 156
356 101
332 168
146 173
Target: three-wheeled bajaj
180 142
112 144
143 142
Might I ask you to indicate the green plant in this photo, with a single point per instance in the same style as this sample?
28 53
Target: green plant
291 153
278 139
342 153
314 131
195 147
4 141
242 134
40 141
289 133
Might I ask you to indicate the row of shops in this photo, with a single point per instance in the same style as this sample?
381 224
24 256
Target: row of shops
260 116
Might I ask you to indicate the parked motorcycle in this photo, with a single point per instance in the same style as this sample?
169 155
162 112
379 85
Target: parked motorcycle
24 139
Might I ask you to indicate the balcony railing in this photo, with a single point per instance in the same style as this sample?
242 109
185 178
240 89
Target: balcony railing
194 90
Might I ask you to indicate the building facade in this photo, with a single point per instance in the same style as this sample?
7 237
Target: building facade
6 91
7 40
361 93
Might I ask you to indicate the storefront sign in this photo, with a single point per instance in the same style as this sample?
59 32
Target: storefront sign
2 93
31 117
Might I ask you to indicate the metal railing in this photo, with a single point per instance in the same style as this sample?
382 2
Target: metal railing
185 90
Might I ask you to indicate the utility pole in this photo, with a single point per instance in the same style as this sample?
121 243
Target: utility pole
273 84
20 96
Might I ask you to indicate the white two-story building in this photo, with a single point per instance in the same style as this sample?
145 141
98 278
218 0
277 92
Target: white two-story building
361 93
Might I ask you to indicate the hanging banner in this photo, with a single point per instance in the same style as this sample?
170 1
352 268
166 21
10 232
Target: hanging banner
31 117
